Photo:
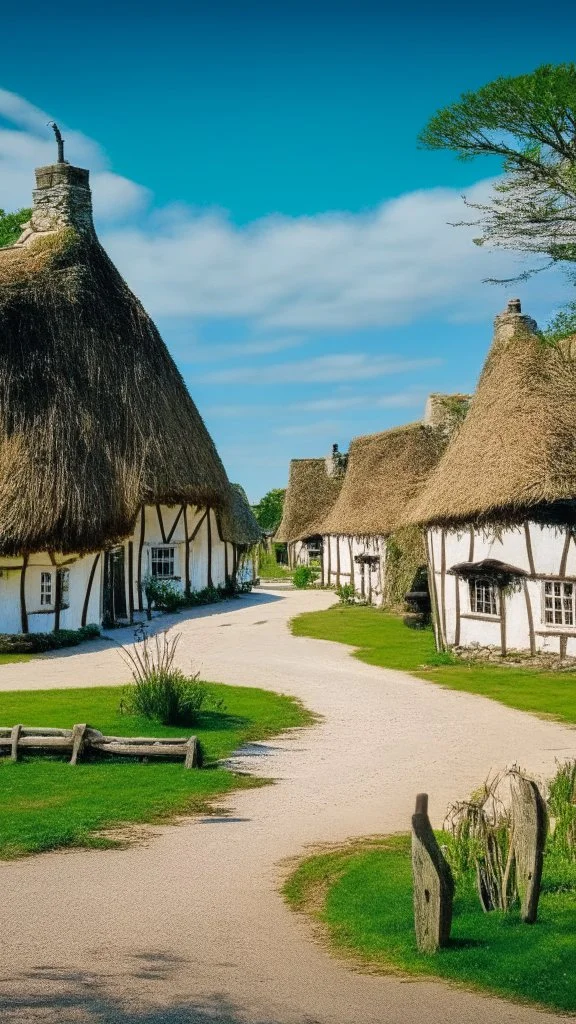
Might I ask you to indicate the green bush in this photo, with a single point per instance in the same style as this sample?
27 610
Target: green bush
37 643
346 594
303 576
160 691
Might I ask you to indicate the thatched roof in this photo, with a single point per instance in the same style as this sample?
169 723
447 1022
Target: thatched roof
95 418
238 522
385 473
311 493
516 449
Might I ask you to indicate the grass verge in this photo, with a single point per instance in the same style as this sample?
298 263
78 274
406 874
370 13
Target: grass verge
362 896
383 639
46 804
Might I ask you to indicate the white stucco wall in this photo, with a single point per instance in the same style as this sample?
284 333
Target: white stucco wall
509 546
340 567
42 619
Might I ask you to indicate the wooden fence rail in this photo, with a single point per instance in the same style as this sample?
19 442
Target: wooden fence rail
83 739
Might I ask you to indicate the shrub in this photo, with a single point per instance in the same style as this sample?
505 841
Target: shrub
165 595
303 576
37 643
160 691
562 808
346 593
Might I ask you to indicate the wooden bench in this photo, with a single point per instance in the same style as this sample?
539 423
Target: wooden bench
83 739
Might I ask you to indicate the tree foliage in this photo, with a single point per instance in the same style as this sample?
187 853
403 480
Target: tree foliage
269 509
530 122
11 225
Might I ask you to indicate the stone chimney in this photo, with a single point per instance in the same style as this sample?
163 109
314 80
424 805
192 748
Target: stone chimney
508 323
445 412
62 199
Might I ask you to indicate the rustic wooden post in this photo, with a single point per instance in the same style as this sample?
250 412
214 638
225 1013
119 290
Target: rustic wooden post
192 753
14 738
529 824
433 883
78 738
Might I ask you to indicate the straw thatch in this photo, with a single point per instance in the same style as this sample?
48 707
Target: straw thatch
385 473
238 522
95 418
516 450
310 496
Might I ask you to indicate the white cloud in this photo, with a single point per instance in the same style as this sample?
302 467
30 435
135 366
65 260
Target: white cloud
399 400
321 369
205 353
28 143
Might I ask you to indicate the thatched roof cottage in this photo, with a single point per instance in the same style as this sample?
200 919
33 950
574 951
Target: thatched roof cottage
500 508
107 472
313 487
386 473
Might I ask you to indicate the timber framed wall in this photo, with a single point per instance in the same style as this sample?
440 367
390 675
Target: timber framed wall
545 553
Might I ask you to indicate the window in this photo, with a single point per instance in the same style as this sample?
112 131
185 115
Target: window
558 603
162 562
483 597
45 588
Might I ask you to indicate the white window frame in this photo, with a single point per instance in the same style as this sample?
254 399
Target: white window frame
559 604
46 590
166 560
483 593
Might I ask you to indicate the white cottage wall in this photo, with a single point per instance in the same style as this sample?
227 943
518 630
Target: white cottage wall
544 552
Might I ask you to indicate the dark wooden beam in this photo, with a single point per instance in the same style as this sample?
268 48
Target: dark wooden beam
529 551
565 550
131 580
530 618
174 525
161 523
140 551
89 590
209 565
186 550
23 611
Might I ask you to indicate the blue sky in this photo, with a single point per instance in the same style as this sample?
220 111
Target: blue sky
257 180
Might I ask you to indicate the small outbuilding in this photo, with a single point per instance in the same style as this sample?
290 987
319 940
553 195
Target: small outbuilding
500 508
107 472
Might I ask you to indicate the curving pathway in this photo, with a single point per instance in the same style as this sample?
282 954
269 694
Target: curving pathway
188 926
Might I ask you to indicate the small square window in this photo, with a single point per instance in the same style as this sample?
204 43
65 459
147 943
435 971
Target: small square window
558 605
162 562
45 589
483 597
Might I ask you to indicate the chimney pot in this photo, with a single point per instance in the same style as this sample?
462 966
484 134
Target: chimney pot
514 306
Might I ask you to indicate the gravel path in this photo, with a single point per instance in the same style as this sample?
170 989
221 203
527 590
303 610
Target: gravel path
188 926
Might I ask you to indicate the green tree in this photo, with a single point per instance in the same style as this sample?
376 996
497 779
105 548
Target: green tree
269 509
11 225
530 123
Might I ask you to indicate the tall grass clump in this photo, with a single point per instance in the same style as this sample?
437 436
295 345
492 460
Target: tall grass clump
562 808
160 690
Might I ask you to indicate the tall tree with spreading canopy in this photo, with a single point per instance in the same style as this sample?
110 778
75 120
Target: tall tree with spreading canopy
269 509
530 123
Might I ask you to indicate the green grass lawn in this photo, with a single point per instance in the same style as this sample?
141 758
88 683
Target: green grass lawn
384 640
46 803
363 897
7 659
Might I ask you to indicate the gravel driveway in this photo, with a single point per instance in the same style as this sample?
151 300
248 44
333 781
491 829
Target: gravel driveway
188 926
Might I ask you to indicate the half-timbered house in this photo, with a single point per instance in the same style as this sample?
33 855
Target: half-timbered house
313 487
385 474
500 508
107 472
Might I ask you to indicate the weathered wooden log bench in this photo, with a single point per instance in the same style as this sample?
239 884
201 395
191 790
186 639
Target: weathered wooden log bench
83 739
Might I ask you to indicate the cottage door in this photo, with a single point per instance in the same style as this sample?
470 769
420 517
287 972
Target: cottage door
114 586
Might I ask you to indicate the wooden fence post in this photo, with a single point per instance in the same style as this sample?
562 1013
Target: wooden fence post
14 738
433 883
78 736
529 825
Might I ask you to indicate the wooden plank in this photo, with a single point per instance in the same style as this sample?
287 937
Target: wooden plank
35 731
14 741
50 742
139 750
89 590
78 740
